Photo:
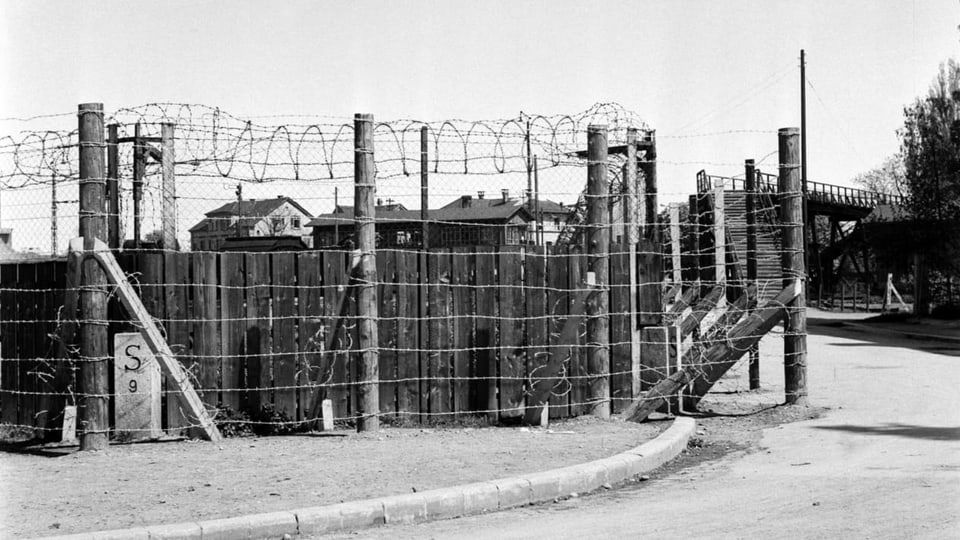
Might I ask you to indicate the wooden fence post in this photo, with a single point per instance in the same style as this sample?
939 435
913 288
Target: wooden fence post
169 223
675 249
751 203
139 169
633 236
113 188
719 235
368 370
886 293
791 217
649 168
598 246
429 355
694 218
424 188
94 362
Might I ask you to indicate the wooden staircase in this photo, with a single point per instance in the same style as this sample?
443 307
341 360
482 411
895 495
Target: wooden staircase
769 274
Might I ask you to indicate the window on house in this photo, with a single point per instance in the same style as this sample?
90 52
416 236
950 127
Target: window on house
295 222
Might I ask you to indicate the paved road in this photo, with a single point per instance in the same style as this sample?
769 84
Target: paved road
883 462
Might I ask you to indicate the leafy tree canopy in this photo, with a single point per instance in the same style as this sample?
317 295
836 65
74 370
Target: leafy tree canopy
930 145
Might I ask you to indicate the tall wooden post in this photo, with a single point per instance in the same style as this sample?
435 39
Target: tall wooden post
336 221
424 189
693 217
675 248
649 169
598 247
169 226
429 358
537 213
791 218
719 234
139 168
113 188
364 212
751 203
94 361
633 236
53 214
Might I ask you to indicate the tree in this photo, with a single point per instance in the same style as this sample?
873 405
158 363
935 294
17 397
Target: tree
930 144
887 178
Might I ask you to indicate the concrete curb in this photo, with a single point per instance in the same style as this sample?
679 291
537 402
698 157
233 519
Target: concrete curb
454 501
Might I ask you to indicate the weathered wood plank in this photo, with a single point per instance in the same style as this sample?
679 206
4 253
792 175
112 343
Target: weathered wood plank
511 353
557 309
206 327
65 368
150 266
177 280
486 336
621 358
29 334
335 293
232 282
537 335
576 274
51 277
440 357
284 346
650 278
462 261
257 330
387 331
409 371
309 330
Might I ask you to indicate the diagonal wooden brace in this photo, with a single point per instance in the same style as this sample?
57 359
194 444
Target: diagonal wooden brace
175 374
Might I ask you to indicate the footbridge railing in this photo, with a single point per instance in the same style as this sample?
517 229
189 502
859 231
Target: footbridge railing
816 191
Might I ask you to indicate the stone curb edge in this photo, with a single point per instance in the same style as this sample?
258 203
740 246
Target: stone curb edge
454 501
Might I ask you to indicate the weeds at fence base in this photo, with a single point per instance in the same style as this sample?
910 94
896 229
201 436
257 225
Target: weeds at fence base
265 422
16 434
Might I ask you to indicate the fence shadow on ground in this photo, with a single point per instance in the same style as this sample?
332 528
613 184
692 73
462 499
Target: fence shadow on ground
901 430
878 336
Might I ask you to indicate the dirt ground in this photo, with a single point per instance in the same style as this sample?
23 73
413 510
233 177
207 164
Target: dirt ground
48 491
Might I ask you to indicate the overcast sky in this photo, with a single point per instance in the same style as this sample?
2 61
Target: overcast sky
690 68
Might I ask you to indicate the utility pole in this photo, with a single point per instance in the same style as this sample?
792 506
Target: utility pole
807 226
239 208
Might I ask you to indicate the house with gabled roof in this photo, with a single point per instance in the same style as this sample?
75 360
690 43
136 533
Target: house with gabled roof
277 217
460 223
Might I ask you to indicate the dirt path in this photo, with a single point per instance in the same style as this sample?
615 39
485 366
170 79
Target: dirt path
882 461
50 492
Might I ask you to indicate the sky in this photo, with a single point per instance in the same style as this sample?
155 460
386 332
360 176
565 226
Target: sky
715 79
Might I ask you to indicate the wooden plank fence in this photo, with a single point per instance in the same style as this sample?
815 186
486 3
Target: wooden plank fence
252 329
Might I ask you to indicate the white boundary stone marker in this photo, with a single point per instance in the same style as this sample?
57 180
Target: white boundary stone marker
136 387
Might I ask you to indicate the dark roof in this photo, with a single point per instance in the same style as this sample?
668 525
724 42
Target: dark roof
453 215
467 201
256 207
